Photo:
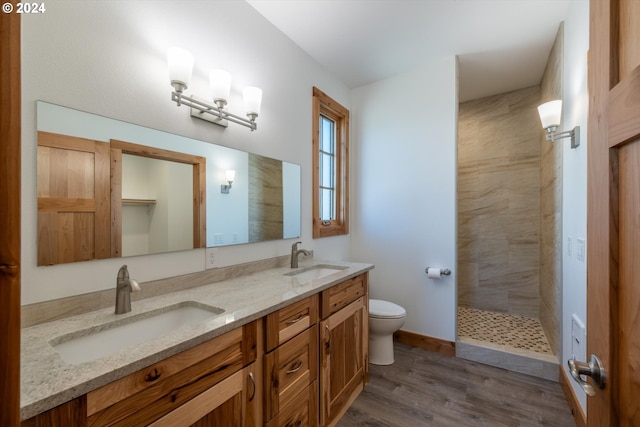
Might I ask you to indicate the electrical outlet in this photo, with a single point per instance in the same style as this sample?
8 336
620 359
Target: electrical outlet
580 253
211 257
578 338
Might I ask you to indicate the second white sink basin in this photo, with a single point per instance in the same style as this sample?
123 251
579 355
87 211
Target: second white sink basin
316 271
94 343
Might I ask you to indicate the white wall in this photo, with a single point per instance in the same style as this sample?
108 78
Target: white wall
574 181
291 192
231 224
109 58
168 223
135 218
179 198
404 174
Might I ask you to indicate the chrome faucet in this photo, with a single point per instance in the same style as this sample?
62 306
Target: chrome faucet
124 286
295 252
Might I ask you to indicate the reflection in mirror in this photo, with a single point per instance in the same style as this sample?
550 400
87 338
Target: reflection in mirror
90 194
73 199
153 191
263 203
170 185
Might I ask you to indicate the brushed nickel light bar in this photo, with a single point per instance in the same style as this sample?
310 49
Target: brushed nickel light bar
180 69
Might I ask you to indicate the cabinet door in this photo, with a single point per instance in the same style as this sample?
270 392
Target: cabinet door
230 403
73 199
342 353
302 412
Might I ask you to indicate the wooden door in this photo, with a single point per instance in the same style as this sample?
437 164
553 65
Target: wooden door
10 166
342 360
73 199
613 210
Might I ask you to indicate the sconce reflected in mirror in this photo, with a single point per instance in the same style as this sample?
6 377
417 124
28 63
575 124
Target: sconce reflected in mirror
550 114
230 175
180 63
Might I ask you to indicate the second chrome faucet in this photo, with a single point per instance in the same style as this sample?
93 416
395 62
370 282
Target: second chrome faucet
295 252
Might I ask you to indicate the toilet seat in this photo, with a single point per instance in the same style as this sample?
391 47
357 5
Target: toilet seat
385 310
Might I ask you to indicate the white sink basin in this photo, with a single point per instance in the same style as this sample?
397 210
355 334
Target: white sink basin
316 272
99 341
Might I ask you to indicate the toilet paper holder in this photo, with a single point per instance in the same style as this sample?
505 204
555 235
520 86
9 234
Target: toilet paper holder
444 271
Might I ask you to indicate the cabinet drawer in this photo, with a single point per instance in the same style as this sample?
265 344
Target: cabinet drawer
150 393
289 321
221 405
343 294
289 369
301 412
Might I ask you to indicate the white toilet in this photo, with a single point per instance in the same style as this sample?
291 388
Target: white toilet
384 319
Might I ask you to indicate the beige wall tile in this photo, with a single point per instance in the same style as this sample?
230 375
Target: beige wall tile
499 202
509 204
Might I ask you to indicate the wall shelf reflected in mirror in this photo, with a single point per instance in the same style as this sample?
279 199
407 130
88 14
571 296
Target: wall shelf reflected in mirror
138 202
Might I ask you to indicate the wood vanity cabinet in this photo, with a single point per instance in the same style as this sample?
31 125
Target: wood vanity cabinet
344 347
314 371
291 366
301 366
212 384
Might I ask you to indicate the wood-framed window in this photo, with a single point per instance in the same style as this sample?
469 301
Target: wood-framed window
330 166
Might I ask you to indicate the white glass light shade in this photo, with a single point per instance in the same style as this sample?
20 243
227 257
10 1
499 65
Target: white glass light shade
180 67
230 175
220 82
252 100
550 113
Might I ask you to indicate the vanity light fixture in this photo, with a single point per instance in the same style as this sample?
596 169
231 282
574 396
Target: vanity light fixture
550 113
230 175
180 69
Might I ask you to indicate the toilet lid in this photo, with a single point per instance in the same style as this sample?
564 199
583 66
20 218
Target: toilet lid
385 309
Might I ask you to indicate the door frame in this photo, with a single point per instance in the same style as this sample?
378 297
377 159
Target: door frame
10 187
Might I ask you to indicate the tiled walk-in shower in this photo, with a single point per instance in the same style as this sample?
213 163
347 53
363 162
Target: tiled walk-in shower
512 342
502 329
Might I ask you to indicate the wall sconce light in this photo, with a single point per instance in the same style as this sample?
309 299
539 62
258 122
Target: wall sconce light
180 69
550 113
230 175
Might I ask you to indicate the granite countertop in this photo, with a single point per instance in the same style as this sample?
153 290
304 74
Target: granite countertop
47 380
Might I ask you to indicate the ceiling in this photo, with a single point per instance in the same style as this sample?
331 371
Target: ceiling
502 45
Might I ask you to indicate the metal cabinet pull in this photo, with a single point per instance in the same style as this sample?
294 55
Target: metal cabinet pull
291 423
296 367
253 383
152 376
593 369
296 320
328 345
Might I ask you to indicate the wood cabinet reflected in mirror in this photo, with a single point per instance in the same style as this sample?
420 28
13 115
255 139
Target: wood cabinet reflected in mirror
79 220
91 207
73 199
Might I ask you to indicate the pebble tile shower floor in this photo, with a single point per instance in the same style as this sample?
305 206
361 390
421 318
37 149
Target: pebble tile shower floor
502 329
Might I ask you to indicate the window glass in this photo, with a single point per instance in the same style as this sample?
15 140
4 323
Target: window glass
331 166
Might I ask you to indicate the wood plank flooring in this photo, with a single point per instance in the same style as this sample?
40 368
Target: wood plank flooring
423 388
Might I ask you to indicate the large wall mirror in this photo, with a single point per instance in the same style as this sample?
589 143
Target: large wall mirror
108 188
